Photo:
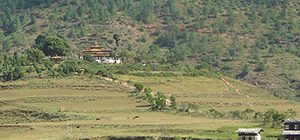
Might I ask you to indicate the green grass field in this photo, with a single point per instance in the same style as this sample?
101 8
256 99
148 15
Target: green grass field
64 112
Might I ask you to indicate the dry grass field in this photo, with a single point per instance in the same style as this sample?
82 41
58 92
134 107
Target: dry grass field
69 112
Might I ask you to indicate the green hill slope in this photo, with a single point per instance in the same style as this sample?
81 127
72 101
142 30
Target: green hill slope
256 41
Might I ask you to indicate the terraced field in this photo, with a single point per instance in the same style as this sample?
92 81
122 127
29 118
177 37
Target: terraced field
65 112
223 94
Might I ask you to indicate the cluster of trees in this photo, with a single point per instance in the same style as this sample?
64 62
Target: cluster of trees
158 101
271 118
52 45
12 67
17 13
15 66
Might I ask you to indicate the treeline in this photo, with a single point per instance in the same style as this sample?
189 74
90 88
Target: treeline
17 13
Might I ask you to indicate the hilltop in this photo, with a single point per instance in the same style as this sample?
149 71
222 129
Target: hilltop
254 41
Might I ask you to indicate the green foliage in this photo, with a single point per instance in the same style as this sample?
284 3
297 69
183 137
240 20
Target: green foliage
273 118
173 102
117 39
52 45
159 102
240 115
245 71
148 90
35 55
261 66
13 74
215 113
88 57
67 67
146 11
138 87
105 73
12 68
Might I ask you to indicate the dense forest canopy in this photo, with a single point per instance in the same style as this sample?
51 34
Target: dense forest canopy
253 40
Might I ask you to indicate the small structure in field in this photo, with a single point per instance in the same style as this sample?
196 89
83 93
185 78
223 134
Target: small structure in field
101 55
291 129
249 133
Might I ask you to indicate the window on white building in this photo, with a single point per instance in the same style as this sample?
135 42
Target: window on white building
286 127
296 126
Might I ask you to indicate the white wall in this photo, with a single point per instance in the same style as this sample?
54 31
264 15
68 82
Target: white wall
108 60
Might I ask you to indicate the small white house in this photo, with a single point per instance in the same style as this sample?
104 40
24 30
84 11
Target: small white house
249 133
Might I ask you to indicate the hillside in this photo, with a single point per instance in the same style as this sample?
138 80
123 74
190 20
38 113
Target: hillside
254 41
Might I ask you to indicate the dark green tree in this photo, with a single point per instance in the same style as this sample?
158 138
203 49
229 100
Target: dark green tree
35 54
52 45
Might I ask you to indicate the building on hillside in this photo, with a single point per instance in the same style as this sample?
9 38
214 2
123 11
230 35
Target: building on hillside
101 55
249 133
291 129
57 59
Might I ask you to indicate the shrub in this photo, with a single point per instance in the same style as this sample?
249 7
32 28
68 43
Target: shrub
138 87
104 73
159 102
148 90
173 100
183 108
215 113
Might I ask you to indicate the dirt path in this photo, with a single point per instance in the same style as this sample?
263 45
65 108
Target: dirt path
237 90
125 84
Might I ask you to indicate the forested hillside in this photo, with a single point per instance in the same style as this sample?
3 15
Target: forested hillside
257 41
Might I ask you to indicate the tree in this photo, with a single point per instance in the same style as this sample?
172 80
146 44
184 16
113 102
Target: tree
33 19
89 58
148 90
178 53
16 25
6 45
167 40
232 52
1 36
159 102
117 39
245 71
12 68
72 33
231 19
273 118
52 45
155 53
146 11
261 66
35 54
138 87
172 8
